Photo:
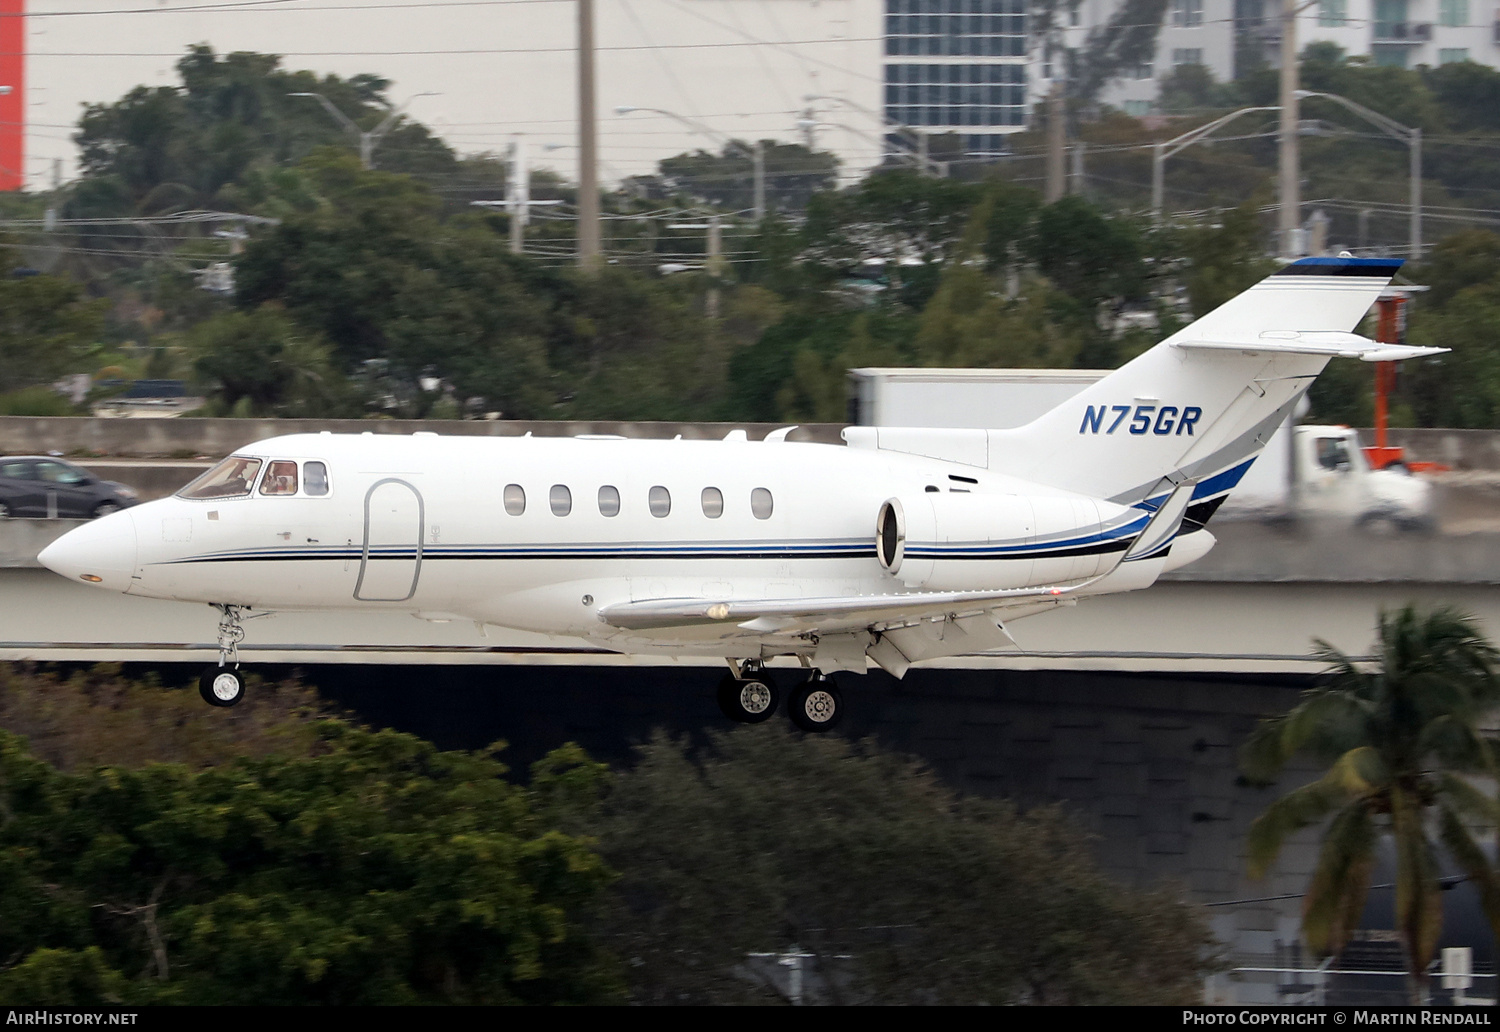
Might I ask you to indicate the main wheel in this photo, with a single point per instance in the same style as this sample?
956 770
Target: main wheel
816 705
221 686
748 700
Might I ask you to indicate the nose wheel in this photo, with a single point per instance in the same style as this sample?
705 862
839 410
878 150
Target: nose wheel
224 685
221 686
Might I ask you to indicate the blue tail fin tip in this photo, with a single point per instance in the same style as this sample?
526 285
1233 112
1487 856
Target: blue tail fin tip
1342 267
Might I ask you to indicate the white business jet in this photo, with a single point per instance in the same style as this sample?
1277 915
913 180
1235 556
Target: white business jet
906 545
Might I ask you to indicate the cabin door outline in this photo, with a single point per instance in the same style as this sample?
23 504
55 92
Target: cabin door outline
396 520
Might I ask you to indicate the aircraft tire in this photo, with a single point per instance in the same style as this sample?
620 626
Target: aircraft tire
748 700
816 705
221 686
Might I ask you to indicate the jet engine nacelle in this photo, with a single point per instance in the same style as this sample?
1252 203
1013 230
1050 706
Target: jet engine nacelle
957 541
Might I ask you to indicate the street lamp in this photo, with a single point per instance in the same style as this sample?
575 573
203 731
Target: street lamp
1162 151
925 163
368 141
1409 135
757 152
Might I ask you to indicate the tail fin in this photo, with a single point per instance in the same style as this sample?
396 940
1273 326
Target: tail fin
1201 405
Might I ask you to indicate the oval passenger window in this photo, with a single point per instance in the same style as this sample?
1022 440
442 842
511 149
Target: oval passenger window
713 502
760 503
314 479
515 499
660 501
609 501
561 500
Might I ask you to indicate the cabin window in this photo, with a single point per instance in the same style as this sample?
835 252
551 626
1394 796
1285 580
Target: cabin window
713 502
280 478
229 479
314 479
561 499
660 501
609 501
515 499
761 503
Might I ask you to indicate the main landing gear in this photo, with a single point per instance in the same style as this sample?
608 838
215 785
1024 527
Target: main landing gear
224 685
749 695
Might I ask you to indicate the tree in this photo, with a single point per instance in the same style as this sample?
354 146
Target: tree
44 323
902 892
377 870
264 360
168 148
1399 742
793 173
1461 388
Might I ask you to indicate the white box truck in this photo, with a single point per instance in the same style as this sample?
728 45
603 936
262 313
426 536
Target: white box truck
1311 472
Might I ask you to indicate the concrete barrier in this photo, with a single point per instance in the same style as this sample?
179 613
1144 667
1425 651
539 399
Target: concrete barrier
21 540
1458 449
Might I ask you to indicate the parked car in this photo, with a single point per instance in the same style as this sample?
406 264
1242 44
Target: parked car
37 486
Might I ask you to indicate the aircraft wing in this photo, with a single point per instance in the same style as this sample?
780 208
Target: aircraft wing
835 613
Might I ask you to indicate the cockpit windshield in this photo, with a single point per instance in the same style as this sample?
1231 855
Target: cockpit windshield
231 478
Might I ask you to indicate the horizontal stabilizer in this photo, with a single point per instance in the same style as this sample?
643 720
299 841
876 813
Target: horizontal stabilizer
1332 343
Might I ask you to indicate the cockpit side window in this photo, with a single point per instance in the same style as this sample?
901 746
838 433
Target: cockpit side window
314 479
231 478
280 478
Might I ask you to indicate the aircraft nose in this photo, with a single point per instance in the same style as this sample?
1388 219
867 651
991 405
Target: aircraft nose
101 552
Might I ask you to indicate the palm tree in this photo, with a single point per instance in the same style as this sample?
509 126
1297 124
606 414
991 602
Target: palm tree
1398 738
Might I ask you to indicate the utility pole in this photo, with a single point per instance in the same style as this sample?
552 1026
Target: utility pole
758 160
1289 235
518 194
588 138
1056 142
1075 178
715 264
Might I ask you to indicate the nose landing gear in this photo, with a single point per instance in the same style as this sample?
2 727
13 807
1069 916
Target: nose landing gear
224 685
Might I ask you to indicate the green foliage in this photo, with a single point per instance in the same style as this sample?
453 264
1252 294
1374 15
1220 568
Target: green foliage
1462 388
1225 260
1087 256
1398 741
1469 94
45 322
162 149
264 359
1191 87
77 720
35 401
793 174
903 893
376 870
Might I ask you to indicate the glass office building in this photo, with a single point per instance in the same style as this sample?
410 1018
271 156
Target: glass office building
956 66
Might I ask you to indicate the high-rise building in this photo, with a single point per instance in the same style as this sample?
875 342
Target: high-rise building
957 66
